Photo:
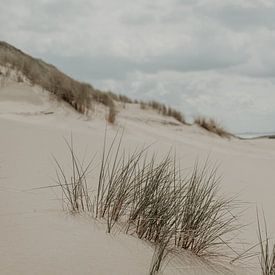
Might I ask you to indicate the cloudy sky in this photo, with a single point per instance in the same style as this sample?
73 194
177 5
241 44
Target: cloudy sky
210 57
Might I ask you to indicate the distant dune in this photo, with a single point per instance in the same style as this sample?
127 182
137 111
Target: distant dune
83 96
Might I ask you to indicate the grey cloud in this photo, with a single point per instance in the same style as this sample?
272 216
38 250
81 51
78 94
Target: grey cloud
199 55
102 67
241 18
52 16
140 19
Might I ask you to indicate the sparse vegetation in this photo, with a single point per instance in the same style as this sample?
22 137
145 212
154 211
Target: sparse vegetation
74 189
79 95
212 126
154 201
112 114
267 250
121 98
164 110
143 105
161 251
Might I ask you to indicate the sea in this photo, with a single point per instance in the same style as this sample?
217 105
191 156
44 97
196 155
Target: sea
255 134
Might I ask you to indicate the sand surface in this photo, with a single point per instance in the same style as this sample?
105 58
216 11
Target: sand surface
38 237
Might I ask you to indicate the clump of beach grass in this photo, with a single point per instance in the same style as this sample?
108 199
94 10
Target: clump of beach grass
212 126
74 188
164 110
152 199
267 249
111 118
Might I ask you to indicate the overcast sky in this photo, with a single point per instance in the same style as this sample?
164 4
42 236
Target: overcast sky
210 57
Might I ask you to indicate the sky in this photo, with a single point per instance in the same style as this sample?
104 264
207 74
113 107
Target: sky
204 57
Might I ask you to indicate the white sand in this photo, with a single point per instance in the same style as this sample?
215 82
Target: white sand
37 237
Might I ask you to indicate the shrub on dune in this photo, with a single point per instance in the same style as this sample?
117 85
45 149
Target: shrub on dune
212 126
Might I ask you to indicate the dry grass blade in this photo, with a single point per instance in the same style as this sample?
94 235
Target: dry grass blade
75 188
205 218
160 253
267 251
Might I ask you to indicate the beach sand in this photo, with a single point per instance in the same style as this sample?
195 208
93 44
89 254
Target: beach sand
38 237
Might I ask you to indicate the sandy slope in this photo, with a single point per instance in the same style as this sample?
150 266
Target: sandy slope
37 237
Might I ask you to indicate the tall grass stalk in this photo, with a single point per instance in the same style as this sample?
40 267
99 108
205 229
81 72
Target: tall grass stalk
74 188
161 251
267 250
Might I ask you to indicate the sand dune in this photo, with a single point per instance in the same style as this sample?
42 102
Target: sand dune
37 237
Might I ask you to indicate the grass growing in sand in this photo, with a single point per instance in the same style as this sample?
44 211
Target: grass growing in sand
78 94
154 200
212 126
267 249
163 110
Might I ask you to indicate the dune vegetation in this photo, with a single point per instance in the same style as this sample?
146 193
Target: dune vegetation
81 96
78 94
153 200
163 109
212 126
267 249
47 76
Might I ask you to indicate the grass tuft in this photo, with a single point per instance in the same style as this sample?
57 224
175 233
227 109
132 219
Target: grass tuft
75 190
154 200
112 114
267 250
212 126
164 110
